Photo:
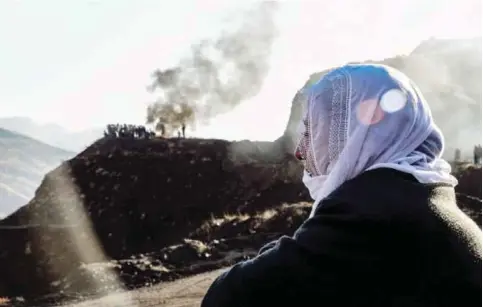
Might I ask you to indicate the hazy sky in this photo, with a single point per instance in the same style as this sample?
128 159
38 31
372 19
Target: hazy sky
87 63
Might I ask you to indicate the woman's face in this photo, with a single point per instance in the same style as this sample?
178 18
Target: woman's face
313 148
300 150
303 150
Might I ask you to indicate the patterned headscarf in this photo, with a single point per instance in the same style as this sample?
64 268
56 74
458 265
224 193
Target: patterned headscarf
365 116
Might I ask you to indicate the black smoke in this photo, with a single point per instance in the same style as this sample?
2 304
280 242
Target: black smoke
218 74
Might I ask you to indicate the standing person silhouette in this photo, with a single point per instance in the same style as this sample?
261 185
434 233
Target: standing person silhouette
477 154
384 229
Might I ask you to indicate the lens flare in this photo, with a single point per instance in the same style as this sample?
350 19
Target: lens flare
393 101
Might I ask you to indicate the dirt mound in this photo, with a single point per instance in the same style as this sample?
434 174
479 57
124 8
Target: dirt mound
122 197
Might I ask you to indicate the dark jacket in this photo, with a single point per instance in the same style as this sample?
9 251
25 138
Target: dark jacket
381 239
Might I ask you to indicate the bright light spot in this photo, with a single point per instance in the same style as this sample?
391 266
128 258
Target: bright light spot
393 101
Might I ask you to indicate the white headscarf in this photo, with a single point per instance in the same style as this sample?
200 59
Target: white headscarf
363 117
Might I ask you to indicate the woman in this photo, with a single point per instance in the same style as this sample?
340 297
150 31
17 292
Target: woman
384 229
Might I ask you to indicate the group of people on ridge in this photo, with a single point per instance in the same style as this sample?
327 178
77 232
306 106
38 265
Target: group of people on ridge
127 131
138 131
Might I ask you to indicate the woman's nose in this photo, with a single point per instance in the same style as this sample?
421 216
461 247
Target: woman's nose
298 154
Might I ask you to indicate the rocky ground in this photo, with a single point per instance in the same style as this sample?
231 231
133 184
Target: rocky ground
186 292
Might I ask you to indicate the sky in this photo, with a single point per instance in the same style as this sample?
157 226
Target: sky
84 64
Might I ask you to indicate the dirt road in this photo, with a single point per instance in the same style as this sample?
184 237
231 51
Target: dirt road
186 292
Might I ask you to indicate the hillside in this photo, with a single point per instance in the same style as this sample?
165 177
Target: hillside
51 134
448 73
136 192
23 163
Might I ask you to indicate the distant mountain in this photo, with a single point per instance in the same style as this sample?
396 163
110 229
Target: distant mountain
448 72
52 134
23 163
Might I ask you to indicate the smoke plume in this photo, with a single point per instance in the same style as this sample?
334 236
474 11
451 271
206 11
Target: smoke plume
218 74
